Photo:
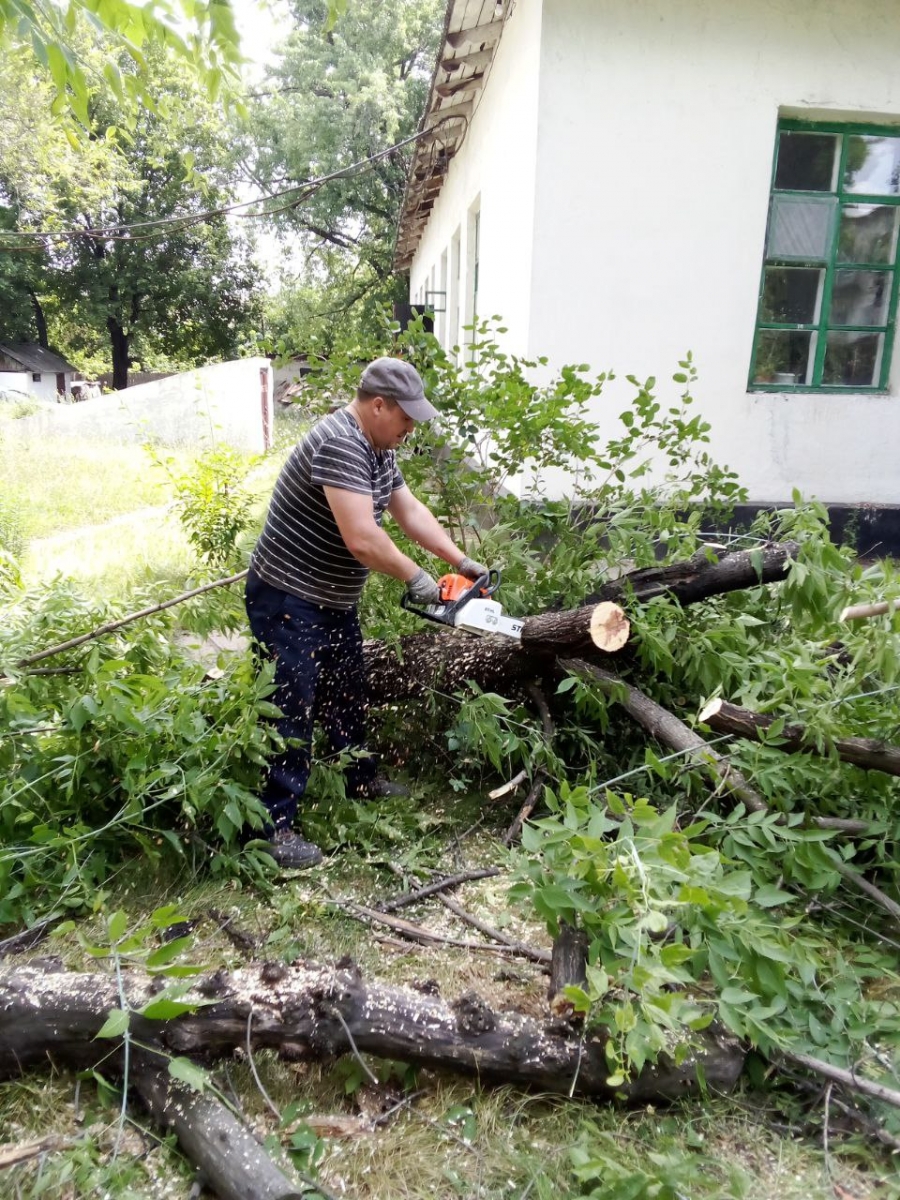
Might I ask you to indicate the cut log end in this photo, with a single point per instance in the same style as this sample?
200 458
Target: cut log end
709 710
609 627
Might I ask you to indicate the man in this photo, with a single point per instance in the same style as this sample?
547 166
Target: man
321 538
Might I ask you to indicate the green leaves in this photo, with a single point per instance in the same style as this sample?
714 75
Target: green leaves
115 1025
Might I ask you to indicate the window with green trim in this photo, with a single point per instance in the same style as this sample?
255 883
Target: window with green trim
828 294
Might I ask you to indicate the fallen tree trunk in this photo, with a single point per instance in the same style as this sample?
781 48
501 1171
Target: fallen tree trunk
868 753
304 1012
445 662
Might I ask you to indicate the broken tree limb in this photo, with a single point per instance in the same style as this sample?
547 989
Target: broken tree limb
427 937
230 1160
860 612
111 626
703 575
849 1079
868 753
672 732
437 885
306 1011
668 729
446 662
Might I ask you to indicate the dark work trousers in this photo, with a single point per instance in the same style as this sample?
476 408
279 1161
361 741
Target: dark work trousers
320 677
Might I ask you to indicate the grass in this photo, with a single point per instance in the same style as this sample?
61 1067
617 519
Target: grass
452 1137
103 516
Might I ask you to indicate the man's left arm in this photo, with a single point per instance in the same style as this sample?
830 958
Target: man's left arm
422 526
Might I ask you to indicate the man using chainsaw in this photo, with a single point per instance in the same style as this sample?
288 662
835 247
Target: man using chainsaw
321 538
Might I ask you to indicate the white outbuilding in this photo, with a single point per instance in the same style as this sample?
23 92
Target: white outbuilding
30 369
627 180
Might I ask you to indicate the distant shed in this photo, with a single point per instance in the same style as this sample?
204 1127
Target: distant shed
28 367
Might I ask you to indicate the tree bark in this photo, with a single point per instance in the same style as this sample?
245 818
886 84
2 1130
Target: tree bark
446 661
568 967
702 576
304 1011
868 753
40 320
118 342
230 1160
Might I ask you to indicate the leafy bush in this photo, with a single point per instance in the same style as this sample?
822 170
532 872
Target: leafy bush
214 508
138 749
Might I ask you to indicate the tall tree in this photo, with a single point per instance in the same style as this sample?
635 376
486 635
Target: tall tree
163 278
337 99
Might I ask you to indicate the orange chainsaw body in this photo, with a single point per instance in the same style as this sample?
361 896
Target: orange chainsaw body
452 587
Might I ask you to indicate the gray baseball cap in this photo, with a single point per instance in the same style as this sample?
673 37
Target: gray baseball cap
400 381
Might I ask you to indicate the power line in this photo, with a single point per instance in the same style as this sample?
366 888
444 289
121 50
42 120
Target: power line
162 226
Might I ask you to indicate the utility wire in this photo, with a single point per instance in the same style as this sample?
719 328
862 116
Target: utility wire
161 225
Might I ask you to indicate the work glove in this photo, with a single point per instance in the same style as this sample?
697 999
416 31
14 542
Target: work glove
472 569
422 589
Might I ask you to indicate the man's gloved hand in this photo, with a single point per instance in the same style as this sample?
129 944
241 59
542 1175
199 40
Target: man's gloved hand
472 569
422 589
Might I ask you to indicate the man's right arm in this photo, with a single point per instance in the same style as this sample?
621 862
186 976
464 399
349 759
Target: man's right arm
364 538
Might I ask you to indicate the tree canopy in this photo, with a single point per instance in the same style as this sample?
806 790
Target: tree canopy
334 101
200 32
162 278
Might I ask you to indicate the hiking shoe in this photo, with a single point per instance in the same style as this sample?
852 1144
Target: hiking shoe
382 789
291 851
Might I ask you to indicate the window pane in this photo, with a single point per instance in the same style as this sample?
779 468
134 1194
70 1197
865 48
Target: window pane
872 165
868 233
860 297
791 295
853 359
782 356
801 226
807 162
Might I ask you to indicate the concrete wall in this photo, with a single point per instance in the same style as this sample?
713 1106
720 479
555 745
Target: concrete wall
227 402
493 176
656 139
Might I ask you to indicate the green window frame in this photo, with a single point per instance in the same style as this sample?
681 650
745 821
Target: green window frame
829 283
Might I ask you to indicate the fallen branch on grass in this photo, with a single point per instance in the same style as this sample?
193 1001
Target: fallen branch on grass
869 753
672 732
437 885
111 626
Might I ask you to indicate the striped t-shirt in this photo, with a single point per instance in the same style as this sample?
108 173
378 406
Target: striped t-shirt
300 549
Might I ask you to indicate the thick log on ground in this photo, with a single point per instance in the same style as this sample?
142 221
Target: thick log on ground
304 1011
446 661
869 753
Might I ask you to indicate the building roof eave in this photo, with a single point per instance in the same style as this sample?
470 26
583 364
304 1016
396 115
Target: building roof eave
472 30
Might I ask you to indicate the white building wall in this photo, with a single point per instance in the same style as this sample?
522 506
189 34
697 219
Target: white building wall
656 139
494 173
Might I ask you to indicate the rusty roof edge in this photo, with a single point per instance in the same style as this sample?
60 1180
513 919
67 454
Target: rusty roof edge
451 4
407 213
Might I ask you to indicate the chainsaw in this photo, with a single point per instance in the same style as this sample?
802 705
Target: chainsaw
465 604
